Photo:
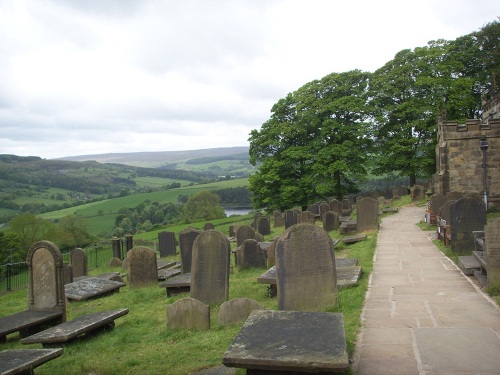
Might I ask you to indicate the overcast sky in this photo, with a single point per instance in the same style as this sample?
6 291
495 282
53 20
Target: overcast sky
82 77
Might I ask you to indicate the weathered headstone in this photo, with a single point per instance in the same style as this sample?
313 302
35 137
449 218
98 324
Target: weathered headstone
142 268
78 262
335 206
346 207
116 246
467 215
245 232
166 243
306 217
264 225
444 212
417 192
188 313
237 310
129 242
290 218
305 269
492 245
331 221
208 226
250 254
314 209
210 268
388 193
437 201
232 230
115 262
278 219
271 253
186 240
367 217
399 191
323 207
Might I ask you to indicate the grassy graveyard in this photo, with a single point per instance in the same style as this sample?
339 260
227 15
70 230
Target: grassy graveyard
141 343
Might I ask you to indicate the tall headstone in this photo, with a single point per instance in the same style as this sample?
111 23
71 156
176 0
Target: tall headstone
129 242
166 242
142 267
323 207
367 216
245 232
264 225
335 206
210 267
444 212
466 215
78 259
116 246
46 278
290 218
186 240
250 254
278 219
331 221
492 245
346 207
305 269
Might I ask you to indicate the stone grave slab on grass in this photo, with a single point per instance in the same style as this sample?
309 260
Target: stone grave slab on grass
24 361
91 287
353 239
289 341
165 274
178 284
71 330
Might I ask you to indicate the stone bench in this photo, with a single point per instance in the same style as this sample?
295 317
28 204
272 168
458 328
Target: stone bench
24 361
83 325
28 322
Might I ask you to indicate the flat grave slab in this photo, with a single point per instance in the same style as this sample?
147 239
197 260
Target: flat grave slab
177 284
161 264
468 264
165 274
91 287
348 276
28 321
289 341
75 328
352 239
24 361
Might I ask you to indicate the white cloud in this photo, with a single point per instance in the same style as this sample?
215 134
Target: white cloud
85 77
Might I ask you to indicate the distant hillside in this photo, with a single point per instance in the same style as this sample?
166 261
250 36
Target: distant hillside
159 159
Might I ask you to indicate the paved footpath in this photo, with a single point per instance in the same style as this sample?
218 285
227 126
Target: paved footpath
422 315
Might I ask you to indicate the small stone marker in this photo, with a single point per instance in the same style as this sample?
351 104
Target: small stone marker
237 310
78 262
289 341
466 215
210 268
186 240
305 269
314 209
188 313
91 287
142 268
492 244
115 262
245 232
367 216
166 243
250 254
24 361
208 226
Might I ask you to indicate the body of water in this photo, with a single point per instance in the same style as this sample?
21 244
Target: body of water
237 211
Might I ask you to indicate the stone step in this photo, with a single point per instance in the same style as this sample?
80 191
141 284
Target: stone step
481 258
468 264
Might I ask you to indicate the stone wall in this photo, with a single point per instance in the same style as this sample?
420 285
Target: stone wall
459 158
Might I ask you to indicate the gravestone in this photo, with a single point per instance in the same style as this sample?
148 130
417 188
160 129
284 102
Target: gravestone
306 217
466 215
492 245
417 192
188 313
78 262
210 267
437 201
245 232
116 246
367 216
323 208
454 195
278 219
331 221
208 226
142 268
264 225
46 279
314 209
399 191
305 269
335 206
186 240
290 218
271 253
115 262
346 207
129 242
166 243
388 193
250 254
237 310
68 273
232 230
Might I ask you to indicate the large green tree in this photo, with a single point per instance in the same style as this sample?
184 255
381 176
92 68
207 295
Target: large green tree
204 205
314 145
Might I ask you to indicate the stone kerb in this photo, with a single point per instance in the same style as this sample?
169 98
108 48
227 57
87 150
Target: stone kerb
305 269
210 268
78 262
142 267
492 245
367 214
188 313
46 278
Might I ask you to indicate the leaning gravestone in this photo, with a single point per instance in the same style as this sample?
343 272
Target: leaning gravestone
188 313
186 240
142 268
331 221
78 262
367 216
210 268
492 245
166 242
305 269
245 232
466 215
250 254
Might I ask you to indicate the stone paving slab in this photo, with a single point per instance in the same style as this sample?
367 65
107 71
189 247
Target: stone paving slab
422 315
